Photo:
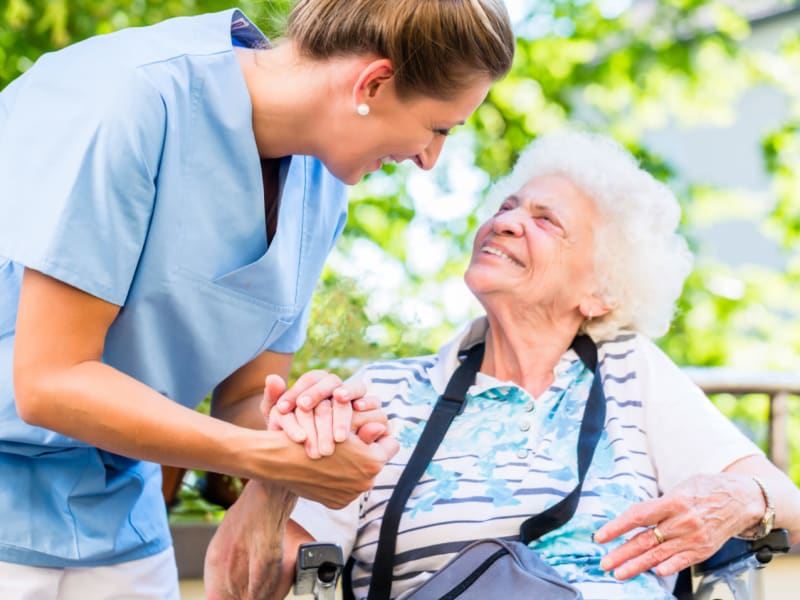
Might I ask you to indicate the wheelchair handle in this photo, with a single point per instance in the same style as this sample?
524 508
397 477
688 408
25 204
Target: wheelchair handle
777 542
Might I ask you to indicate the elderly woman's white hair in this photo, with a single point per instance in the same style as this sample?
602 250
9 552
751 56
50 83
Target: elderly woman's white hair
641 261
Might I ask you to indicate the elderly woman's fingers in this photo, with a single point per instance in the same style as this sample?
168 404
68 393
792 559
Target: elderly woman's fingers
659 555
274 386
372 432
636 547
343 397
370 423
685 526
643 514
309 390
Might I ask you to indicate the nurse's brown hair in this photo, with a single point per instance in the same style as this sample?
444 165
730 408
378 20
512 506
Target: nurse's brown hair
437 47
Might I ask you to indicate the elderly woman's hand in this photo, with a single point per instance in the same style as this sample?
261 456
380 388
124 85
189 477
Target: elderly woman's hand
683 527
319 410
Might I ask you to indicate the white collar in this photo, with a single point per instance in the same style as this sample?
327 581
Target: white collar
473 333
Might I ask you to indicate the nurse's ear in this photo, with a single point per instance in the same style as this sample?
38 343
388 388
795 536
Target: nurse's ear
374 80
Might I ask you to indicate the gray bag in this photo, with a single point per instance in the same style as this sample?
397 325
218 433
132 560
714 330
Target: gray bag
493 567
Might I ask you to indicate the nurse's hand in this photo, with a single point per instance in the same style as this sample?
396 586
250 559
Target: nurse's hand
334 480
324 411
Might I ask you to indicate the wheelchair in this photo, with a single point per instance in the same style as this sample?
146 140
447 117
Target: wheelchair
729 574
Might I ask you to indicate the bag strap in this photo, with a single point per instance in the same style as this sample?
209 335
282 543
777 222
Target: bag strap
594 418
449 405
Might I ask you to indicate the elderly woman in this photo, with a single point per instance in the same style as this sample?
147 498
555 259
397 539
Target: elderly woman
583 241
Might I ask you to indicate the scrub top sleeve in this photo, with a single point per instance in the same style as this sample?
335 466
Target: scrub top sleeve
79 159
295 336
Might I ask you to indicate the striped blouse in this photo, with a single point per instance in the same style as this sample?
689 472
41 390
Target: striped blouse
510 455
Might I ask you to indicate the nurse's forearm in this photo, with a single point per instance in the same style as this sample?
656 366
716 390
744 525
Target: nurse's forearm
99 405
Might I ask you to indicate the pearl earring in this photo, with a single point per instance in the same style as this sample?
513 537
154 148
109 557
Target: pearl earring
362 109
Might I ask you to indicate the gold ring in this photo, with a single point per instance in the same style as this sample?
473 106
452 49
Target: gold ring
658 535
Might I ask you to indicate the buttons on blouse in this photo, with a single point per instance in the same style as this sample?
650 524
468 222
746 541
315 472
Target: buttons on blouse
522 453
529 406
524 425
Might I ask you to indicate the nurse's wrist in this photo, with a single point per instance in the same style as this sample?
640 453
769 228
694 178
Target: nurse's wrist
264 455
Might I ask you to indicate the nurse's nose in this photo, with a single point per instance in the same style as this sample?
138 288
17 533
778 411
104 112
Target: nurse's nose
428 157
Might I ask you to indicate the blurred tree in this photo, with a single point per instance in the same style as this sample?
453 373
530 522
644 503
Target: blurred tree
616 65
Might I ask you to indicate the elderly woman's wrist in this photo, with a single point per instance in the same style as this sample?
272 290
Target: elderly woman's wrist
764 511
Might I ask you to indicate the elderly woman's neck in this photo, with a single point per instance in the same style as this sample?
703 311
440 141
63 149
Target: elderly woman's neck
525 355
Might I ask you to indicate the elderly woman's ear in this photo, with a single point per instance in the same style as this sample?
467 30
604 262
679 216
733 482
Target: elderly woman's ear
593 307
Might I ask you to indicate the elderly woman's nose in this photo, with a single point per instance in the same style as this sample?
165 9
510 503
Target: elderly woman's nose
509 222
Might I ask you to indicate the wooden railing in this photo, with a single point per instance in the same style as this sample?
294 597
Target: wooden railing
778 386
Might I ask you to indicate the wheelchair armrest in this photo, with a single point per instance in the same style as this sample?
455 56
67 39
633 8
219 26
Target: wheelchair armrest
777 542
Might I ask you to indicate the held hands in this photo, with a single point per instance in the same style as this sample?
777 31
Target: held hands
320 411
683 527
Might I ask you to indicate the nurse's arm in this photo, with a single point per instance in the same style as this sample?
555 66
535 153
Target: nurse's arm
62 384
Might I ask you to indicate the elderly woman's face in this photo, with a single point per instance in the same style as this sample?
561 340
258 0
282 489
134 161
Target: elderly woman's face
538 248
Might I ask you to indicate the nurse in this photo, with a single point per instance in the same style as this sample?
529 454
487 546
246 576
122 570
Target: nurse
168 196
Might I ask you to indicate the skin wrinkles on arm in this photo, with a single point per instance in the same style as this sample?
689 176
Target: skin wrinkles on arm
61 384
233 570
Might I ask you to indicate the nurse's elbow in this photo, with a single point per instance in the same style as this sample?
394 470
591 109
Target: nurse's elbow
30 395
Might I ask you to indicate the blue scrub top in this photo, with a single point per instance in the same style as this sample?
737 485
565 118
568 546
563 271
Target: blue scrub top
129 169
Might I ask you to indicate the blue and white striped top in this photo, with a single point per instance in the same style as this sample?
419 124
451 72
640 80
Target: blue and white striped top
510 455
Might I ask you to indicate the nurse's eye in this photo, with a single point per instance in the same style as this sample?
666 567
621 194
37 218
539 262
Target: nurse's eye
443 132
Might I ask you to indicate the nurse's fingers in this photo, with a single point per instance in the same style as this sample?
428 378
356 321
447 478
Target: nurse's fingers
305 419
288 424
309 390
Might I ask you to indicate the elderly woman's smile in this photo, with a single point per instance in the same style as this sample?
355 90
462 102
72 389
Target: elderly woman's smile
488 248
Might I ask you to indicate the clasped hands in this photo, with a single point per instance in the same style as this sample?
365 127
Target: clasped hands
319 411
244 560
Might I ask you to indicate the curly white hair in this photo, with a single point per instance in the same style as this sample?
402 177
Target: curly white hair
641 261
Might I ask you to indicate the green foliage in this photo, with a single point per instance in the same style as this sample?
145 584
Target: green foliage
640 68
28 28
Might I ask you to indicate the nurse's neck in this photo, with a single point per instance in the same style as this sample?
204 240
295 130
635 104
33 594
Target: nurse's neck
297 101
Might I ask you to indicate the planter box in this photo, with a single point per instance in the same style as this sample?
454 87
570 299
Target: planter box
191 541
